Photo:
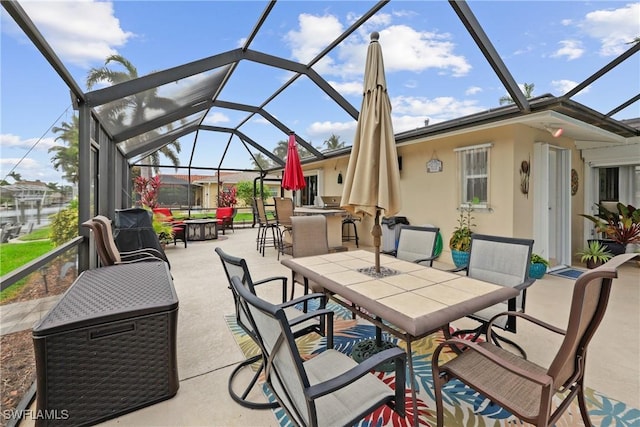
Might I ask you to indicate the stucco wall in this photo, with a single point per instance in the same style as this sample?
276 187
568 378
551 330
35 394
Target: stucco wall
432 198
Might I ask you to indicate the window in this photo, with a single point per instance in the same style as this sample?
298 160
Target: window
473 169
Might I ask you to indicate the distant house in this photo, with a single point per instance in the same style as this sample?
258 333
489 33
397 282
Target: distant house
204 188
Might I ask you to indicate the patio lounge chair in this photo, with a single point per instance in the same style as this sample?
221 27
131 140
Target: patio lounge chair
115 256
503 261
315 322
417 244
523 387
330 389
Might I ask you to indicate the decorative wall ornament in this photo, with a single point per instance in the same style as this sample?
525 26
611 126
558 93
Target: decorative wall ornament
435 164
574 182
524 177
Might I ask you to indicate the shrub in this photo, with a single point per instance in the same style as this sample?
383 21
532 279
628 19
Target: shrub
64 224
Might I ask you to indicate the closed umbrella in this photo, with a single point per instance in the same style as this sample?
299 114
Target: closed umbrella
372 182
293 178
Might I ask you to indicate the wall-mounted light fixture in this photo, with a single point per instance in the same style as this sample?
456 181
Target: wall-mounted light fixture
555 132
339 177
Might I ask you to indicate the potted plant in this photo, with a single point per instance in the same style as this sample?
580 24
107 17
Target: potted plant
621 227
460 242
162 228
538 266
595 254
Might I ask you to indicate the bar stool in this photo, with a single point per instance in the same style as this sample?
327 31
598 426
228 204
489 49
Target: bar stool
350 221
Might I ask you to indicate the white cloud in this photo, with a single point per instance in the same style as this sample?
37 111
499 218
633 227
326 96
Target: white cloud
348 88
313 35
404 48
436 109
216 118
614 28
571 49
564 86
93 34
29 169
8 140
473 90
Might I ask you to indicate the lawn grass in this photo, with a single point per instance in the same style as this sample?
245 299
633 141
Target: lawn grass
14 255
37 234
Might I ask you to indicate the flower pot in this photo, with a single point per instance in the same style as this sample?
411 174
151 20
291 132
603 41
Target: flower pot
460 258
537 270
593 264
611 246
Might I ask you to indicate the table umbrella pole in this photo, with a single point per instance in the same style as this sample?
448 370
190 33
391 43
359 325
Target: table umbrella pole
376 232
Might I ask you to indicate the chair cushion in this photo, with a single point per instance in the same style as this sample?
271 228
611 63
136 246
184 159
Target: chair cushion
495 381
339 407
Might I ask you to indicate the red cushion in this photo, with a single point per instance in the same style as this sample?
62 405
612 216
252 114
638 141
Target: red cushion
223 214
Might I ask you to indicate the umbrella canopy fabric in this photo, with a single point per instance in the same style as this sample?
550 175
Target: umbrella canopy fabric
372 180
293 178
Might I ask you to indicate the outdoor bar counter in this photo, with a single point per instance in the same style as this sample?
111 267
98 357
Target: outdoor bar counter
334 222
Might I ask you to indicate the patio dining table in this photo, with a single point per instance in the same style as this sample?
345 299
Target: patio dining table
407 300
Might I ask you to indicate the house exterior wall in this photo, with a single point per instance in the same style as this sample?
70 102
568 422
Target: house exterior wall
433 198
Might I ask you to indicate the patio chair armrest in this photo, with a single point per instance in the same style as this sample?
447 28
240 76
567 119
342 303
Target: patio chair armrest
525 284
312 314
458 269
343 379
462 344
525 316
430 260
393 252
148 251
141 259
142 254
283 279
304 298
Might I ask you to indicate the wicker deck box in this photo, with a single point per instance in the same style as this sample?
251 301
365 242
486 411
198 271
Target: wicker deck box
109 346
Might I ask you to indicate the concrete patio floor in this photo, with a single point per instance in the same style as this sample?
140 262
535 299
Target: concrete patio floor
207 352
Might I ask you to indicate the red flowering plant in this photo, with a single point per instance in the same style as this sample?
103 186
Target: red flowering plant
228 197
147 189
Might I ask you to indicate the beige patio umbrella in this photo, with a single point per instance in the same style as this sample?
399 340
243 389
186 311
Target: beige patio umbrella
372 182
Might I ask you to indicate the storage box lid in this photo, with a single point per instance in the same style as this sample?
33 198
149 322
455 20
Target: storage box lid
111 293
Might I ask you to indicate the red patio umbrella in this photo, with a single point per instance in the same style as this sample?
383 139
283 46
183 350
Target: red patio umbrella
293 178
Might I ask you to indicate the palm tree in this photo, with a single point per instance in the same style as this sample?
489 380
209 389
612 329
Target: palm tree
333 143
133 108
260 161
528 93
16 176
65 158
281 149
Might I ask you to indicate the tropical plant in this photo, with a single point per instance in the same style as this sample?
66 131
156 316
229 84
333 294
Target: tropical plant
260 161
594 254
333 142
622 226
134 108
227 197
65 157
537 259
147 190
461 238
528 93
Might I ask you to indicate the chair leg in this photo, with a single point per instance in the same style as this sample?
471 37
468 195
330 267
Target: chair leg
241 400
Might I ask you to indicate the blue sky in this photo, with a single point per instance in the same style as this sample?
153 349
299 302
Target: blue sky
434 69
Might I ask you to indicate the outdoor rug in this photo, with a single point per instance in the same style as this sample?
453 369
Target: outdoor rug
463 406
568 273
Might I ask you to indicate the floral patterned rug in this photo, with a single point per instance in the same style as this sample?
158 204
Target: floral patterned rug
463 406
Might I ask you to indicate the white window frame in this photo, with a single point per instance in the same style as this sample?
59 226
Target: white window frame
461 154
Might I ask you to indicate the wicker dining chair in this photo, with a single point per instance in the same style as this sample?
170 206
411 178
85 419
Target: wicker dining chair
522 387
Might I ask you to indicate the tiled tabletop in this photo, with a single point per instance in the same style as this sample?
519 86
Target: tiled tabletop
416 299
